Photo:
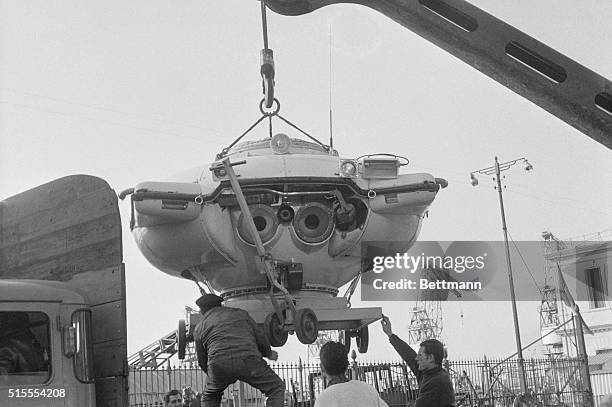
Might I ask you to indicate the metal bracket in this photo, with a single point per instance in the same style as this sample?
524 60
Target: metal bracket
264 257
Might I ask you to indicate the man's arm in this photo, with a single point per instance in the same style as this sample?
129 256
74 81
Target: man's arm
201 352
402 348
406 352
7 361
262 341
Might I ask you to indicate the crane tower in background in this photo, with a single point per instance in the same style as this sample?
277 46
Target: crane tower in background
426 320
549 307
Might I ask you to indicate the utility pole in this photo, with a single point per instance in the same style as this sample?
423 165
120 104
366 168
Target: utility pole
496 169
582 355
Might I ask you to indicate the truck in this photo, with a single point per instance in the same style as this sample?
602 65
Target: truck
62 297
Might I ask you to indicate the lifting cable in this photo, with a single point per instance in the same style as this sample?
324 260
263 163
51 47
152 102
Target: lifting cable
266 106
267 63
265 114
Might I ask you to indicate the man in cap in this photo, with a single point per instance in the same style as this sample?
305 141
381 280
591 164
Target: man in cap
230 346
435 387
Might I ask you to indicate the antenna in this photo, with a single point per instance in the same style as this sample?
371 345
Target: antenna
331 133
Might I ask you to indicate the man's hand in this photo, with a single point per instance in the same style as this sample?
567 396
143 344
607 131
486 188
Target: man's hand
386 325
273 355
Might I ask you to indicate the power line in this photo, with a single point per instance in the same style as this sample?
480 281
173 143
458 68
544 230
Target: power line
557 203
106 109
111 122
535 283
548 193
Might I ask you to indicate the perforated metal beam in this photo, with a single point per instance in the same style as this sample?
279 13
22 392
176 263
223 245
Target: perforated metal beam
556 83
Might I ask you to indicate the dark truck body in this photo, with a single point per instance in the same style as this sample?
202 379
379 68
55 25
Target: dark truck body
61 264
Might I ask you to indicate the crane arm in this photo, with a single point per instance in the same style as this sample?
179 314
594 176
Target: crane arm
556 83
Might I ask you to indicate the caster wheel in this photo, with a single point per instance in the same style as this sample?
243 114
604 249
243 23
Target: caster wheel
274 331
363 339
306 326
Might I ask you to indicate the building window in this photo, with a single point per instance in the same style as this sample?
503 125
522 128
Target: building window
24 348
597 290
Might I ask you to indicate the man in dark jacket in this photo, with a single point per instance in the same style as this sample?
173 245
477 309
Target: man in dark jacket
230 346
435 387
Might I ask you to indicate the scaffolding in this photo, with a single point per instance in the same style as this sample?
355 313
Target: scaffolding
549 308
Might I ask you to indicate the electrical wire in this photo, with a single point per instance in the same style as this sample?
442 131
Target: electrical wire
557 203
535 283
108 122
106 109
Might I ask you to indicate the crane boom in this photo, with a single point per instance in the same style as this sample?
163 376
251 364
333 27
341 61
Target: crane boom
575 94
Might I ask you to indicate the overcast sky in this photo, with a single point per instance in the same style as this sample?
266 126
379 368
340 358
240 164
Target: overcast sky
140 90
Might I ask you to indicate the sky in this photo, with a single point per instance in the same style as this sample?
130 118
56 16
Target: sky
137 91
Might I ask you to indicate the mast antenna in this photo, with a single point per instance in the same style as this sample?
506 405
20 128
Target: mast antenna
331 133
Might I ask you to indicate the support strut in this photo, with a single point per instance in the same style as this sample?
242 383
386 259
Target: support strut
265 258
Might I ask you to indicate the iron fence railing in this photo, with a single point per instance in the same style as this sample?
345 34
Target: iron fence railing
477 383
602 386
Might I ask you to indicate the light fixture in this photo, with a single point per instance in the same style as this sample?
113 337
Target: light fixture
528 166
473 179
348 168
280 143
220 172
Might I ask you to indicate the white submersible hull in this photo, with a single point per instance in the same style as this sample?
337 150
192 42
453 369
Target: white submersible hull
312 211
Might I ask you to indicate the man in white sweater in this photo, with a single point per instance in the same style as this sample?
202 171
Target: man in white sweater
340 391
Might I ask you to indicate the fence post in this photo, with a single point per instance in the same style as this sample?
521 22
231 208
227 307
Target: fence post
241 394
582 356
300 372
487 375
354 367
169 376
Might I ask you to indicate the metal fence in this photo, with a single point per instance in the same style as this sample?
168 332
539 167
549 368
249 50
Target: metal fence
477 383
602 386
552 382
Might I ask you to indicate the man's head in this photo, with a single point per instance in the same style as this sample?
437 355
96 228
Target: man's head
334 358
430 354
173 398
208 301
188 394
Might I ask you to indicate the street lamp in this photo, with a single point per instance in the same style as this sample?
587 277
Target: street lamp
496 169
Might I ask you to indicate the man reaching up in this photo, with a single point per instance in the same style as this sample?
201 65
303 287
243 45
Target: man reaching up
435 387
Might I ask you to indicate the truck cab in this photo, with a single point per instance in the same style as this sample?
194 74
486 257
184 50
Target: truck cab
45 345
63 330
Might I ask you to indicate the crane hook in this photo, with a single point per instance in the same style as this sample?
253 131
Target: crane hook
267 76
267 62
